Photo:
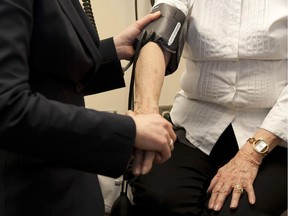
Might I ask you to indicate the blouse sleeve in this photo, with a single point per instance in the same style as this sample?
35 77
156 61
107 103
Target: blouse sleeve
277 119
182 5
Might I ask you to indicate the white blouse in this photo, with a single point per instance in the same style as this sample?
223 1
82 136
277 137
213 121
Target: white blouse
236 70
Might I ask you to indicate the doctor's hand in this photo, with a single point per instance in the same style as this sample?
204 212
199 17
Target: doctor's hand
153 143
125 40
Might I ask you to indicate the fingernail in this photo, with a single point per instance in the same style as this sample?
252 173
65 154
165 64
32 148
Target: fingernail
216 208
145 170
136 172
211 206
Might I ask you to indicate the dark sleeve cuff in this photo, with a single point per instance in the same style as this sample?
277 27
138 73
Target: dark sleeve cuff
108 50
109 75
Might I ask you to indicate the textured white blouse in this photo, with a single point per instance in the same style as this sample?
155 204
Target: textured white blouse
236 70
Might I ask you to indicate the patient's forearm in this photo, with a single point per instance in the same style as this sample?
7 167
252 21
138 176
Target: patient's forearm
150 72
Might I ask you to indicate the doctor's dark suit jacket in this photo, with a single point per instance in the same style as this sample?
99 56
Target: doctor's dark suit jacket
51 147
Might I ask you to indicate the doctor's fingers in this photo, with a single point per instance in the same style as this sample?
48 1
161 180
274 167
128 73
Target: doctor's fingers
147 163
152 131
142 162
138 156
141 23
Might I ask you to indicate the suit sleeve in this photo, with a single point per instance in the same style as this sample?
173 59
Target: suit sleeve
109 75
49 130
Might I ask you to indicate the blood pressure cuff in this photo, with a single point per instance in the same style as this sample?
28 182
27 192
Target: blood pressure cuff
168 32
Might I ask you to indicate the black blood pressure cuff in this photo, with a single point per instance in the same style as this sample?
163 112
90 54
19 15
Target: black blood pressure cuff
168 32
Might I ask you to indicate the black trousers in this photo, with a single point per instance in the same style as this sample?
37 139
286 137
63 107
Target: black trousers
178 187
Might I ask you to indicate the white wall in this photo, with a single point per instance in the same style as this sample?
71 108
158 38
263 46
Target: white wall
111 17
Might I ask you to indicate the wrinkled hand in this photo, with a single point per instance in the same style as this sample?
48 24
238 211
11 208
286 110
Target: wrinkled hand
124 41
154 135
240 172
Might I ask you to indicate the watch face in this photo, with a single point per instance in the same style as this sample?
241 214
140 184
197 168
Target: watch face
261 146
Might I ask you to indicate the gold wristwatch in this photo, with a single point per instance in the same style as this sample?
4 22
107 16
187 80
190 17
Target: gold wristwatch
259 145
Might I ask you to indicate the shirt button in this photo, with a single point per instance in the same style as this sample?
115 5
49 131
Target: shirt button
79 87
